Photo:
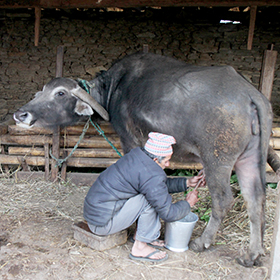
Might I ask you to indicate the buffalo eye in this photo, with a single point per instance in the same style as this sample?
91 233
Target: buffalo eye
60 93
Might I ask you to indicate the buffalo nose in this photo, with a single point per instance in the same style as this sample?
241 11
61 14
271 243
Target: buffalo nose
21 116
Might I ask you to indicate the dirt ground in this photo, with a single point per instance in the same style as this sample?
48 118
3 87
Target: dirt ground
36 239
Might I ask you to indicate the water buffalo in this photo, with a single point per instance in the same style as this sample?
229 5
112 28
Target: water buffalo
213 112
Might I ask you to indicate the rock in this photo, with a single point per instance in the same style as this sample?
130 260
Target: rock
146 35
3 113
94 70
205 48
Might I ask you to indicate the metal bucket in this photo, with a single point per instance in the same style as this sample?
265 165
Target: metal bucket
178 233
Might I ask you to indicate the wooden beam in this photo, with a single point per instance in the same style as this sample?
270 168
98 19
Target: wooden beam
37 25
68 4
267 74
253 14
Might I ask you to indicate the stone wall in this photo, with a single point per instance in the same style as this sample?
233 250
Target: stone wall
94 39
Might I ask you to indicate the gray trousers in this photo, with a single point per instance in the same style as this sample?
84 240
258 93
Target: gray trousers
137 207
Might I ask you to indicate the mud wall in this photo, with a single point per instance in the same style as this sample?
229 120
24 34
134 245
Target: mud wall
93 39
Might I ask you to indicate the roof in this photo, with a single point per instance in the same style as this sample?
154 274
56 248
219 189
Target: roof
131 3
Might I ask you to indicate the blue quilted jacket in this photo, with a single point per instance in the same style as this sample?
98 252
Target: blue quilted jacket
131 175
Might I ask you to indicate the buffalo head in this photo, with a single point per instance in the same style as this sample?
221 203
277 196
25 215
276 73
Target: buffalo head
60 102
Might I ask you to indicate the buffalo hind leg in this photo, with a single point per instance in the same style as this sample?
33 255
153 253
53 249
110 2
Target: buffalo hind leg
253 191
218 182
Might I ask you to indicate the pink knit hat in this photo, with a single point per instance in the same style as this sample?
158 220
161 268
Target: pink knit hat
159 144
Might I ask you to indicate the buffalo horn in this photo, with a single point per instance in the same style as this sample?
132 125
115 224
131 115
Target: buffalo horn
84 96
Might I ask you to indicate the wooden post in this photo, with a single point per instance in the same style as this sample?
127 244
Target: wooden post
275 248
6 167
59 61
64 167
56 131
47 161
55 152
37 25
253 14
145 48
267 74
266 84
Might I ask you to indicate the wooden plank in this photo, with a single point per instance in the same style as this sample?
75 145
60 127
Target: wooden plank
17 130
17 160
37 25
92 162
131 4
78 129
91 142
253 14
25 140
73 162
276 132
70 141
275 143
267 74
275 248
37 151
70 130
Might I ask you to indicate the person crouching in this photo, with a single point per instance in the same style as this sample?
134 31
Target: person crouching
136 188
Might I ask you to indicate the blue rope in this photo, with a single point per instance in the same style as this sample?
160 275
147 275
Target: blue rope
101 132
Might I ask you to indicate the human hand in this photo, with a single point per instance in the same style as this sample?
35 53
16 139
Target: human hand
200 178
192 198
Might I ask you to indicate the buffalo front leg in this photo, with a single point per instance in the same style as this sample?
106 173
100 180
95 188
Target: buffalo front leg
218 182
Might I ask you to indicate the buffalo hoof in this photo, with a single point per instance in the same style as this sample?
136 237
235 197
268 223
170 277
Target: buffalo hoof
249 263
196 245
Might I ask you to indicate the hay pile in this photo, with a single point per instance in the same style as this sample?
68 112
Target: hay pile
26 199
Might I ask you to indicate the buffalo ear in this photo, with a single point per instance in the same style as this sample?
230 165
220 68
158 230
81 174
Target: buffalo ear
83 109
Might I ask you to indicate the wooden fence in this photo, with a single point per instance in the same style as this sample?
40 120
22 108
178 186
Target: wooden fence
25 148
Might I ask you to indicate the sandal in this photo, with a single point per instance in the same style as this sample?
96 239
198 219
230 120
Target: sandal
148 257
